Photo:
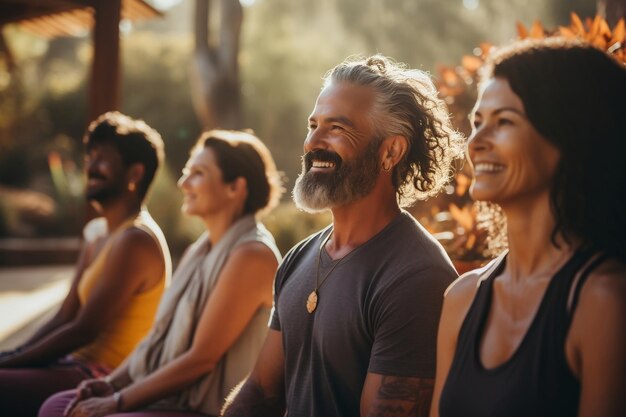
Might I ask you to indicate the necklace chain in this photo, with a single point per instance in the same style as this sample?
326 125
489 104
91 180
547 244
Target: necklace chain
313 298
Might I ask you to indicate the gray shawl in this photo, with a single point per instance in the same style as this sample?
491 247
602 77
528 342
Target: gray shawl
178 316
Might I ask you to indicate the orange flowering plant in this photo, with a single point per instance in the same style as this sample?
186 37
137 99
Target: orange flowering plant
457 85
460 224
453 220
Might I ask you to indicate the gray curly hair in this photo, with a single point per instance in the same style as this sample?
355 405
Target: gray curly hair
407 104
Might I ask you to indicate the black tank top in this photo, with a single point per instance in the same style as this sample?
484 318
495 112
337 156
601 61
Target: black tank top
536 381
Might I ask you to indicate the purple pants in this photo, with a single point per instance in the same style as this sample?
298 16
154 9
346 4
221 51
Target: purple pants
55 406
23 390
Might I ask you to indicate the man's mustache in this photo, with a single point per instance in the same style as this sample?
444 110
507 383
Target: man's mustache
95 176
320 155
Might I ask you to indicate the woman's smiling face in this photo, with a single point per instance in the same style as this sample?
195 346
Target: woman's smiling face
204 191
511 160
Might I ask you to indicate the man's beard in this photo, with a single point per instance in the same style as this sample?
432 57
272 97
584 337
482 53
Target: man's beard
107 191
349 181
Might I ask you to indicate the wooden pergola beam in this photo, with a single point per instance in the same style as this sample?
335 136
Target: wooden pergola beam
63 17
14 10
105 86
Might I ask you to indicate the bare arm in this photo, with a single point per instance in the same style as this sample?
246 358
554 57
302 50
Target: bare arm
597 342
227 313
263 393
385 395
134 260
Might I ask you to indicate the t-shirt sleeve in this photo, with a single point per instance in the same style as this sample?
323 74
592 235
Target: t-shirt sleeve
274 318
281 276
405 318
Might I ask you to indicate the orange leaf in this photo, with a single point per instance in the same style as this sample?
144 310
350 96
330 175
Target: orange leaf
462 183
521 30
566 32
471 63
605 31
577 24
449 76
594 27
485 48
619 32
599 42
462 216
471 241
536 30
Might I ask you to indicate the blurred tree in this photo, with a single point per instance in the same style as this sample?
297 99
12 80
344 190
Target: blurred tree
286 47
613 10
156 89
215 85
561 10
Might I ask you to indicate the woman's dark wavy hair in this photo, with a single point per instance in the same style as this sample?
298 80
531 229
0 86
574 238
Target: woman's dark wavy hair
575 95
242 154
407 104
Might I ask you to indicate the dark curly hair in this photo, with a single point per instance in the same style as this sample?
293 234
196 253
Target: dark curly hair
407 104
575 95
242 154
134 140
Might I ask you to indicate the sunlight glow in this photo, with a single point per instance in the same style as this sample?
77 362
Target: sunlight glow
471 4
247 3
165 4
126 26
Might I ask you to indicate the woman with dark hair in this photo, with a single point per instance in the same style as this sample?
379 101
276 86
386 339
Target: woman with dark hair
540 330
212 321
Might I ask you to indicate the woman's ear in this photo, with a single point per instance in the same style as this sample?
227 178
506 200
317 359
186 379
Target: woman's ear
393 150
239 186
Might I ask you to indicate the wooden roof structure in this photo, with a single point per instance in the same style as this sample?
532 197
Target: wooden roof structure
53 18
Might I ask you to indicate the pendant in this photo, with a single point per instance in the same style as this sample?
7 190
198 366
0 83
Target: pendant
311 302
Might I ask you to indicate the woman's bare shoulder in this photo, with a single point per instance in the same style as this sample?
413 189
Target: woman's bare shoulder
605 287
466 285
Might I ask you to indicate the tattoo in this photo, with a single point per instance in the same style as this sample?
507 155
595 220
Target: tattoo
401 396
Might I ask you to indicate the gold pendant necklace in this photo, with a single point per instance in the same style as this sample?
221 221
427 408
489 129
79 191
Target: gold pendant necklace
313 298
311 302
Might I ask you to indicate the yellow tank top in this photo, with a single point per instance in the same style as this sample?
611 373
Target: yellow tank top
119 338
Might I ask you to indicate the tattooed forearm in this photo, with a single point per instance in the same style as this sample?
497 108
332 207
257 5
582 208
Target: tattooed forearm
407 389
400 396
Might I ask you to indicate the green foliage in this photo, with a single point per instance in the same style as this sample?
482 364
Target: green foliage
156 89
287 46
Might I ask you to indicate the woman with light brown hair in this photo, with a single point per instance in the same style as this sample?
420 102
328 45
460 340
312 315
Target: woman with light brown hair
212 321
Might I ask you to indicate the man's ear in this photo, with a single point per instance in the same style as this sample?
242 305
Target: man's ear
135 174
393 150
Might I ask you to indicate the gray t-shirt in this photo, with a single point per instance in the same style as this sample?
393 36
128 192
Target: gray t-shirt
378 311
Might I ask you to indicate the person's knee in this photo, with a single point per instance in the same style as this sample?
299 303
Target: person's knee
56 404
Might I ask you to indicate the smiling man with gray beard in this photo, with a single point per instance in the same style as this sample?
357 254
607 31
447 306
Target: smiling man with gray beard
357 304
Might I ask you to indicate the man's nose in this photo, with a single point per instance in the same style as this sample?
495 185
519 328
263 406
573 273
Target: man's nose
316 139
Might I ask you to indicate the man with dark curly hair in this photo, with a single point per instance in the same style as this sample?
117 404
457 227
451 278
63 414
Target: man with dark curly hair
356 304
123 268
